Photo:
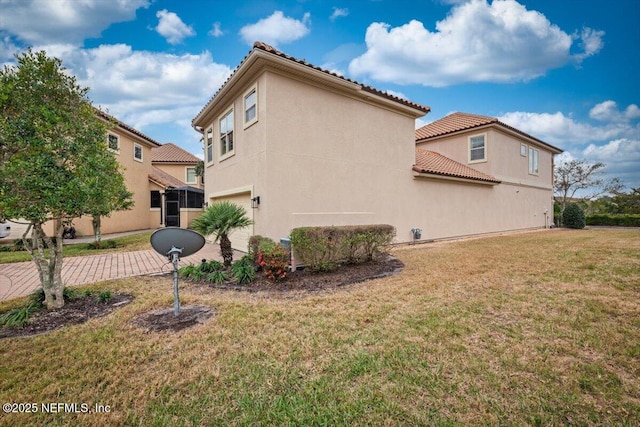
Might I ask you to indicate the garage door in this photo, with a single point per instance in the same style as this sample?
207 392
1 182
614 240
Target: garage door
240 237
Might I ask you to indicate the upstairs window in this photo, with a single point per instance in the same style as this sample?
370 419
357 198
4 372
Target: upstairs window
113 142
209 147
533 161
137 152
226 135
191 176
477 149
251 107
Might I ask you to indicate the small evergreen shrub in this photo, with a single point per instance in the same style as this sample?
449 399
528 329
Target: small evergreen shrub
211 266
104 297
244 270
19 317
219 276
255 243
103 244
573 217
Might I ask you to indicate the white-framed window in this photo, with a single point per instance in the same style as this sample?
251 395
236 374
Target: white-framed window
523 150
191 176
113 142
477 148
137 152
208 152
226 135
250 106
533 161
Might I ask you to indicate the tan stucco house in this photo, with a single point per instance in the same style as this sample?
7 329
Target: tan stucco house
177 194
297 145
161 178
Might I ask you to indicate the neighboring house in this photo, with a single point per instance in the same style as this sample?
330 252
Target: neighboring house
177 194
132 149
161 178
297 145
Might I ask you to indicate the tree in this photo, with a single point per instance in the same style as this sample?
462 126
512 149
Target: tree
573 216
111 196
220 219
53 155
578 175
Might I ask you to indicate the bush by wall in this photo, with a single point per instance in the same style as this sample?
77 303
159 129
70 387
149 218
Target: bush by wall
573 216
324 248
620 220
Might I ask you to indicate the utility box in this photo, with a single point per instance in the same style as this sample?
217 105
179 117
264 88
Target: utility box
285 242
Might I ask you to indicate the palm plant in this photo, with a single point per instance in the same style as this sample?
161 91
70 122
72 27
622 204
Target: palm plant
220 219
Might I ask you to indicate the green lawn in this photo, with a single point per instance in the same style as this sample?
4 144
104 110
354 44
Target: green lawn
132 242
539 328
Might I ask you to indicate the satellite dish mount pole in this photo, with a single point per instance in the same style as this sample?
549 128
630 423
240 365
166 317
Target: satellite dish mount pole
174 255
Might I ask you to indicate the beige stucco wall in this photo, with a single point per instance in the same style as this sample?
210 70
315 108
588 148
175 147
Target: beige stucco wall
316 157
136 179
179 171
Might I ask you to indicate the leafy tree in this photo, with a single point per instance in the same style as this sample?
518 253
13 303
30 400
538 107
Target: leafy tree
220 219
111 196
53 155
578 175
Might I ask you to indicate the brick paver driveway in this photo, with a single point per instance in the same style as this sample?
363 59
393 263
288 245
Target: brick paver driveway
21 278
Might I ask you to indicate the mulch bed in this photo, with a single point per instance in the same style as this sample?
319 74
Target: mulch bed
73 312
82 309
306 280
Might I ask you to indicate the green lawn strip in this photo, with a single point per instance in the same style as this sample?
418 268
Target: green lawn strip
132 242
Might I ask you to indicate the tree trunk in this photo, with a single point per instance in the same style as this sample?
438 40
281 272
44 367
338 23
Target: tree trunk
225 249
96 221
49 266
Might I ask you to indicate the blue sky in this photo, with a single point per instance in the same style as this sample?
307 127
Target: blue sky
565 71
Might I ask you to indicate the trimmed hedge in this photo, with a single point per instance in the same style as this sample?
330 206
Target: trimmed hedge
324 248
619 220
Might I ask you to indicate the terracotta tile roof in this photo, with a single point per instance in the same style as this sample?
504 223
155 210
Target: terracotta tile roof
163 179
430 162
123 125
458 122
171 153
258 45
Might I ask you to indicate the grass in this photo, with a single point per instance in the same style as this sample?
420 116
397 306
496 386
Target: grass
133 242
531 329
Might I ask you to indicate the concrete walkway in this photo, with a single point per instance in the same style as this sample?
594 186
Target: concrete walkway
21 278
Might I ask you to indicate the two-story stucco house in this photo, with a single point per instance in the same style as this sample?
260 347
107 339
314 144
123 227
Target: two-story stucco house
297 145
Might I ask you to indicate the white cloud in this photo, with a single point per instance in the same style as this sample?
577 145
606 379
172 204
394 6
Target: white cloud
276 29
215 30
171 27
338 12
396 94
64 21
477 42
559 129
608 111
126 82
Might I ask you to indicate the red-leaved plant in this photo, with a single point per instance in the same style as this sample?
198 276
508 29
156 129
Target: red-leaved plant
274 262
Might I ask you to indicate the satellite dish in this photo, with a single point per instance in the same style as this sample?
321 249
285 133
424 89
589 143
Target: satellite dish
164 239
175 242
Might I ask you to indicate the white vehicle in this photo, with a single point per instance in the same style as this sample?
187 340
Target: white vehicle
5 230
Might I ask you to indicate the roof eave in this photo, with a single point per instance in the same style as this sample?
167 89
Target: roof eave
418 172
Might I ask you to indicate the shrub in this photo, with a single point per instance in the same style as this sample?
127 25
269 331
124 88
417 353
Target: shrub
244 270
187 271
19 316
324 248
255 244
219 276
620 220
105 296
573 216
274 262
103 244
211 266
